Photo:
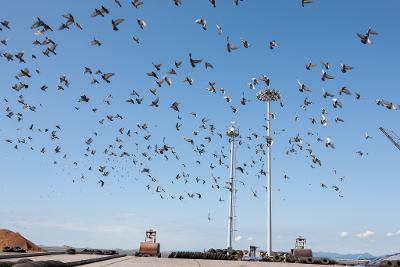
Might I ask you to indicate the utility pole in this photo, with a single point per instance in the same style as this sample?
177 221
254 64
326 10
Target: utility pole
232 133
269 95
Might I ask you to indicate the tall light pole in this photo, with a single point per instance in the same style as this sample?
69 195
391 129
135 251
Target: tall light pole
269 95
232 133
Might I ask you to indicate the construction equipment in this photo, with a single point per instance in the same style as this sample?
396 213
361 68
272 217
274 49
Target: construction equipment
300 249
150 247
391 136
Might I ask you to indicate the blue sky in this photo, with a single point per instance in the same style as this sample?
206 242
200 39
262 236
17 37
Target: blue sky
44 203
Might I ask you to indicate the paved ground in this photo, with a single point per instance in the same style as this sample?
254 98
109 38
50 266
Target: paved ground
165 262
131 261
62 257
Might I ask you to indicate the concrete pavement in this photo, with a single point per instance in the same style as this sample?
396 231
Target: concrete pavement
131 261
62 257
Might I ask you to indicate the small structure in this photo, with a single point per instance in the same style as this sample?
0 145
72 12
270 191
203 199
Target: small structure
150 236
150 247
300 243
252 254
253 251
300 249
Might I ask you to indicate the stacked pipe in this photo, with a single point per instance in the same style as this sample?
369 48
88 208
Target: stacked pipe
51 263
290 258
279 257
98 252
390 263
12 263
217 255
234 254
220 254
315 260
14 249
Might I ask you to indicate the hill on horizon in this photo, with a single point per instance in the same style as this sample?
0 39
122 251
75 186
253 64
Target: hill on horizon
14 239
334 255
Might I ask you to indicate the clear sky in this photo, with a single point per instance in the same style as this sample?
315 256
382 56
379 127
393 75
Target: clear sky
51 204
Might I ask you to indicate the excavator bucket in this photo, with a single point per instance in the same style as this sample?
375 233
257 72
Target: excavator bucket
149 249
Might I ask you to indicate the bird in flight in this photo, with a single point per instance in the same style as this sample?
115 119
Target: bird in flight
365 38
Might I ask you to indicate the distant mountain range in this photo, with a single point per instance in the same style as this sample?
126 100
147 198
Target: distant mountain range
333 255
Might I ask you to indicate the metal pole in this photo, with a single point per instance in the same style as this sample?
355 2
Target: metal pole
269 95
269 201
231 188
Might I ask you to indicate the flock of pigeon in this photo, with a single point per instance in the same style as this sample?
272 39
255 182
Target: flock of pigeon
206 142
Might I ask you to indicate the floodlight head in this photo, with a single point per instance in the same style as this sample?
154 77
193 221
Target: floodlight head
268 95
232 131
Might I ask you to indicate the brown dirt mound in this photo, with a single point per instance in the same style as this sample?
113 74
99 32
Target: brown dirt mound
12 239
